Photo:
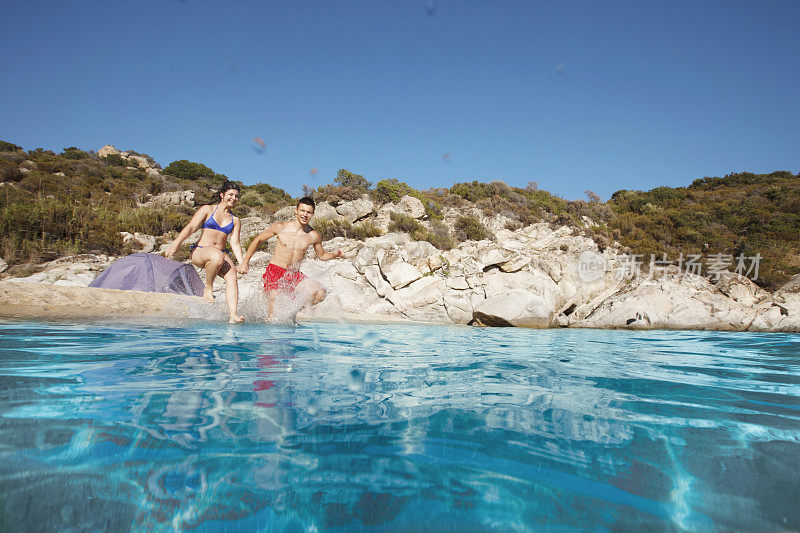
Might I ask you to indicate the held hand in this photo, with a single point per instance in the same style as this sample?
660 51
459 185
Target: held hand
169 253
243 268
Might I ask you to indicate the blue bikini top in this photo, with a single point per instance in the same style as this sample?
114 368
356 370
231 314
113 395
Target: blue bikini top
210 223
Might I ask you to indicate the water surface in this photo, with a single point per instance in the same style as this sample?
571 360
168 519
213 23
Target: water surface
332 427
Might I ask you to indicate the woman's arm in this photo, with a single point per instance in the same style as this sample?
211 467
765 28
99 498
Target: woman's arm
191 227
236 244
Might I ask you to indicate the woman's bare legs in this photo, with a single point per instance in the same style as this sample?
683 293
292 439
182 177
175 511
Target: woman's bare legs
228 273
215 263
211 260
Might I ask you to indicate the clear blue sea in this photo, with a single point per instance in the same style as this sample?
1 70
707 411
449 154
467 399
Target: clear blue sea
335 427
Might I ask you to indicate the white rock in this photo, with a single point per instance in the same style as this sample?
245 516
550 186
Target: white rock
458 305
372 273
142 162
515 308
740 289
141 242
398 272
411 206
166 199
457 283
3 266
356 209
407 205
325 211
107 150
284 214
673 302
252 226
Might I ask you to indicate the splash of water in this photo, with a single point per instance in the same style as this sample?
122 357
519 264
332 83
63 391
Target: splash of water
255 306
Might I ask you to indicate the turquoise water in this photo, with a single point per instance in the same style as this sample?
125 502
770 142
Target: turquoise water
331 427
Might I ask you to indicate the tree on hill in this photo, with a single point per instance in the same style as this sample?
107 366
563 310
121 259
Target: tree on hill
189 171
345 178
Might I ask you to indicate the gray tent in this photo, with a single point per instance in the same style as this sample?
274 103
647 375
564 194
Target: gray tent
150 273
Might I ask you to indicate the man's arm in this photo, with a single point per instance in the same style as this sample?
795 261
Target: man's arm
260 239
316 240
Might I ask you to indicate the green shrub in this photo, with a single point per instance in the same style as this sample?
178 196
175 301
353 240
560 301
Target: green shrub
6 146
270 194
391 190
364 230
335 195
116 160
345 178
329 229
74 153
251 198
470 228
188 170
10 172
403 222
438 236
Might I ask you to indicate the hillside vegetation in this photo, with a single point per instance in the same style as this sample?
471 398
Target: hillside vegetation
76 202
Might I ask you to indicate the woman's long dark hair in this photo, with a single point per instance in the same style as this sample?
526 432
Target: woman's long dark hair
226 186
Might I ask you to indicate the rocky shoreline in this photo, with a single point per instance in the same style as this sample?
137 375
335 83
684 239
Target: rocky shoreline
527 277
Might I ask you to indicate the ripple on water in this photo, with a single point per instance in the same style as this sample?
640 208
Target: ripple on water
396 426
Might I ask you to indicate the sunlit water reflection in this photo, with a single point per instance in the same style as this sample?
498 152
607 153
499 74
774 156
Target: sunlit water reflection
396 428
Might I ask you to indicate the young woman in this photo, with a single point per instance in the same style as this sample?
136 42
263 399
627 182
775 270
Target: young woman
217 223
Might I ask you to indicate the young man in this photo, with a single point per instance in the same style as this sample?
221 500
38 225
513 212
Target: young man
294 238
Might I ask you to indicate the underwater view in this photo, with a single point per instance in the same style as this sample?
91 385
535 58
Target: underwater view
341 427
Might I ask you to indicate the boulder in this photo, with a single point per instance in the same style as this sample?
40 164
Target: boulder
142 162
411 206
107 150
396 271
740 288
356 209
284 214
325 211
495 255
140 242
166 199
515 308
673 302
252 226
3 266
72 271
407 205
458 305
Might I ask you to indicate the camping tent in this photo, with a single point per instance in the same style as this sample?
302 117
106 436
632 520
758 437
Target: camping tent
150 273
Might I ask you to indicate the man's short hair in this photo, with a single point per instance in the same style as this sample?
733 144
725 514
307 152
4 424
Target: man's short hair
308 201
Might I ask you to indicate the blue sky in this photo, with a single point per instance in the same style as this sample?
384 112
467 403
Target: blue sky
572 95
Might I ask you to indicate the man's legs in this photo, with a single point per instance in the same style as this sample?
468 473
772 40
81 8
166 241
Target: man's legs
309 287
271 295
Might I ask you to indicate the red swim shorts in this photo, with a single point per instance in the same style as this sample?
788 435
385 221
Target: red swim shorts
278 278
